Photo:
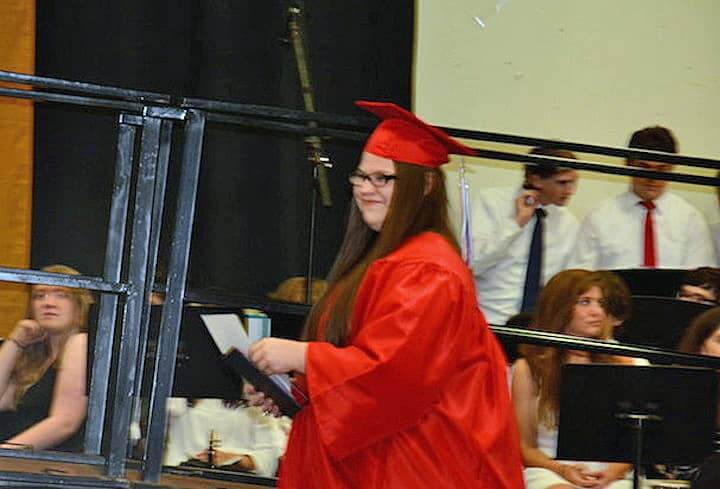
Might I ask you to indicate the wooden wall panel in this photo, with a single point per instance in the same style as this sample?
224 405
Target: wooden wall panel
17 53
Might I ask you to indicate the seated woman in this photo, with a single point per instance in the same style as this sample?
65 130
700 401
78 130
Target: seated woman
43 398
243 438
702 337
294 289
572 302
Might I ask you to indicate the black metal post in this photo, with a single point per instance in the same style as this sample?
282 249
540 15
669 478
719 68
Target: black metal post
137 271
83 87
636 423
21 276
105 331
172 310
156 231
638 453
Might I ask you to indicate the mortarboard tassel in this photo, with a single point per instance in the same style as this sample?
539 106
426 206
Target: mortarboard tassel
465 227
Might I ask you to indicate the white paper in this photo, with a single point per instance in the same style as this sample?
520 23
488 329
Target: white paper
227 331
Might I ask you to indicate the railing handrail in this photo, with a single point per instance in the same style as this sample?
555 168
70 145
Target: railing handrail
127 94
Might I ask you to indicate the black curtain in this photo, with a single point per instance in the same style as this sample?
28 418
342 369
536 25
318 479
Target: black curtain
252 211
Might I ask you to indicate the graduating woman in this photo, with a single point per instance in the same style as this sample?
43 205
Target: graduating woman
406 385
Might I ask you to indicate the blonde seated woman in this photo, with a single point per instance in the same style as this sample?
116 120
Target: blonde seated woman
43 399
294 289
572 302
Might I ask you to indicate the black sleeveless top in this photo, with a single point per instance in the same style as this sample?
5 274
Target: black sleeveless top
33 408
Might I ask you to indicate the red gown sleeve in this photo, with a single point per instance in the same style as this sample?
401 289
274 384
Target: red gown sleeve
411 323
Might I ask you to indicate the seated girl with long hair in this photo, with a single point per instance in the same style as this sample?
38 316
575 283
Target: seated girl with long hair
43 399
572 303
702 337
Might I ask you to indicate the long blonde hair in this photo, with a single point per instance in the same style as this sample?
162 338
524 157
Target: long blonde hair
555 311
33 361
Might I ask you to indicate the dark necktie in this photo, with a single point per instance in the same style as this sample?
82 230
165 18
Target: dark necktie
649 254
534 266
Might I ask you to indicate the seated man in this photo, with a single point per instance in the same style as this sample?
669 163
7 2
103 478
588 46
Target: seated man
700 285
507 222
242 438
646 226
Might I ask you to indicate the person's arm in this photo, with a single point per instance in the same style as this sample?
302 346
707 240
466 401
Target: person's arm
493 234
260 451
25 333
267 442
414 324
279 356
613 471
700 249
524 399
223 458
69 402
586 252
9 354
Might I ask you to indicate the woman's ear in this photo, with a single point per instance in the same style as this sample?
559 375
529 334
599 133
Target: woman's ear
430 182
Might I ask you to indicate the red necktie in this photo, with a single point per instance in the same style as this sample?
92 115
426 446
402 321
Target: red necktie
649 258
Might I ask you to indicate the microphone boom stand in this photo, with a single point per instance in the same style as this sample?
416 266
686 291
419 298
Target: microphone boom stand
316 156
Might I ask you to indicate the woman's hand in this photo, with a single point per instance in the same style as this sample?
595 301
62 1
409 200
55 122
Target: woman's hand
257 399
579 475
612 473
278 356
27 332
221 458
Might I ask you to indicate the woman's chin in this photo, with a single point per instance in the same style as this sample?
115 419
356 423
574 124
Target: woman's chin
374 224
54 328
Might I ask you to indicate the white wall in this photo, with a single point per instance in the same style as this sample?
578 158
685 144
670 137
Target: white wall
578 70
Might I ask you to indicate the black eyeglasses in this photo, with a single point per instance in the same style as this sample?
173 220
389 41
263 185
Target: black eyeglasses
378 180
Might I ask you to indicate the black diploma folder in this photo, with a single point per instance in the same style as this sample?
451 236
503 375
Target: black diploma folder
242 367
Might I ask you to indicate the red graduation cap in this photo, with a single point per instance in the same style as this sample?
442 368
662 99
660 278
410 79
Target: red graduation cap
403 137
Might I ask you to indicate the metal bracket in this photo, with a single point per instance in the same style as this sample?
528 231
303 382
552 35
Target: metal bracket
165 113
133 120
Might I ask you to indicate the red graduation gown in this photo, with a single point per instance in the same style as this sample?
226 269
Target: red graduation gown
419 397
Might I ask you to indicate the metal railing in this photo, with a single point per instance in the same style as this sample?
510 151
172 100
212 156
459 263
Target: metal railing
145 123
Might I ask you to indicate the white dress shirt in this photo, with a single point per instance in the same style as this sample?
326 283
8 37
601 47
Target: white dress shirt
715 231
241 431
612 236
501 248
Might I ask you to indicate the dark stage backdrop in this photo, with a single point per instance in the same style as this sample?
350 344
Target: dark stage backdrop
252 212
